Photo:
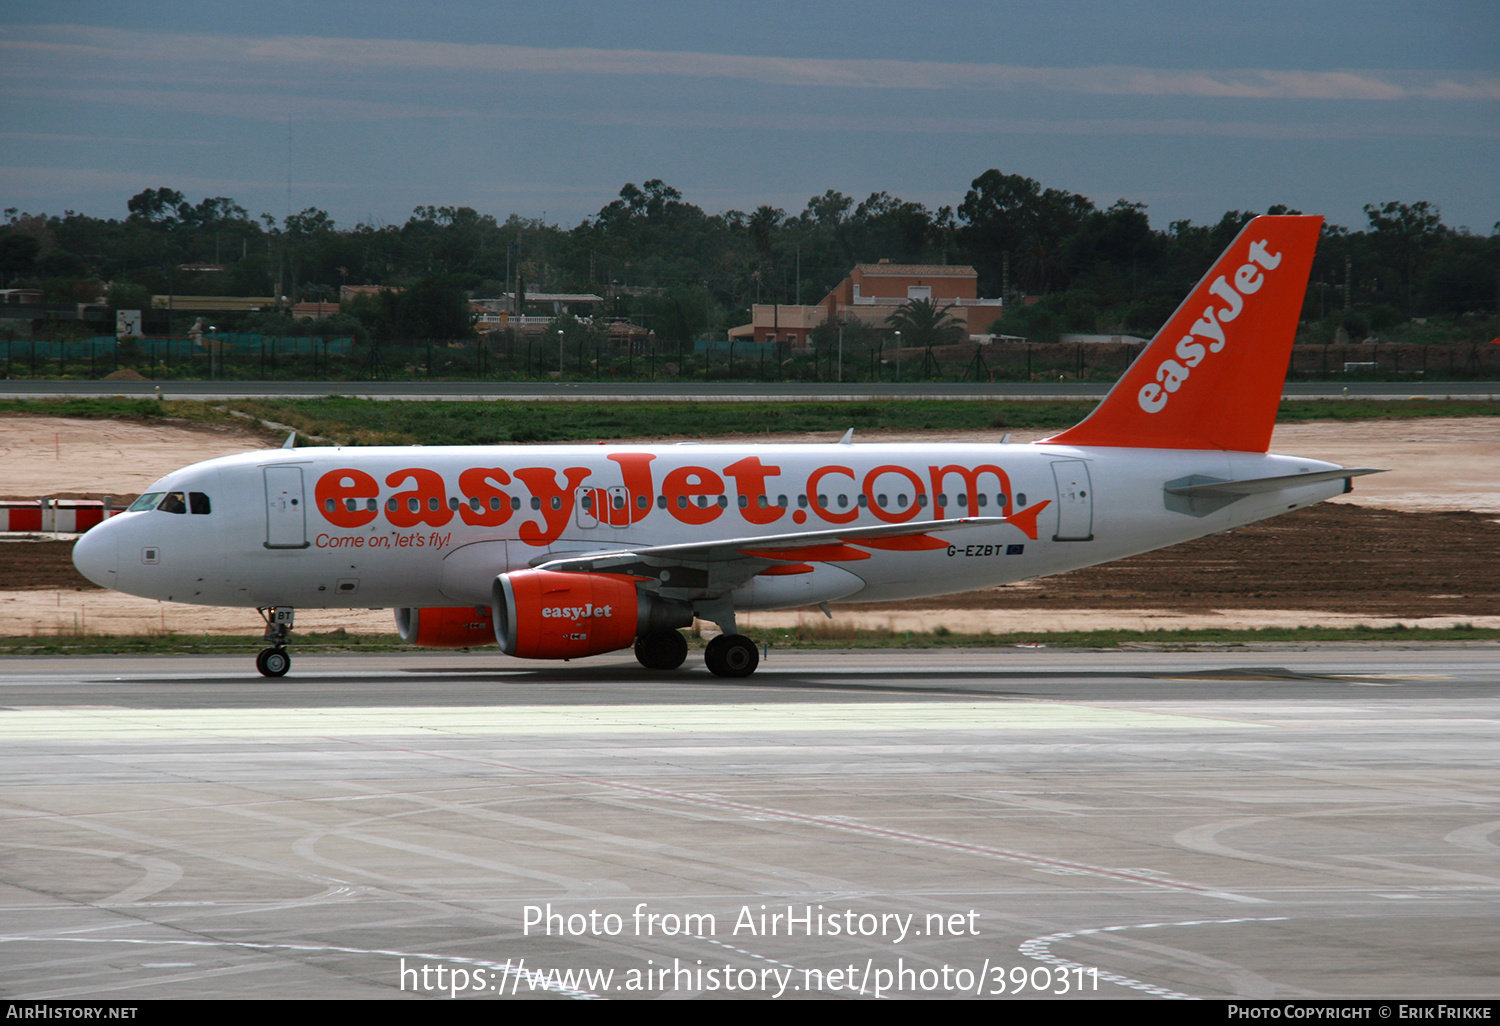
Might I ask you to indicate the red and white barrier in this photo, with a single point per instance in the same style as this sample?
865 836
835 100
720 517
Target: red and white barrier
64 516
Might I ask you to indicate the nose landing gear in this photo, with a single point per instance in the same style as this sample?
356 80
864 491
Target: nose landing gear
274 661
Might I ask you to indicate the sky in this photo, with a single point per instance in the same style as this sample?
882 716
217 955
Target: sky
544 110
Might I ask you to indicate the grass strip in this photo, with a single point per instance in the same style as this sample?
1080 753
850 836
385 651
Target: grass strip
351 421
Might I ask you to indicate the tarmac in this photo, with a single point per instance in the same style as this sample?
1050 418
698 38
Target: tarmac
1277 822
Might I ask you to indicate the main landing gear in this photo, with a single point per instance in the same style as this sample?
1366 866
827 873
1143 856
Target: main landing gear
728 655
731 655
663 650
274 661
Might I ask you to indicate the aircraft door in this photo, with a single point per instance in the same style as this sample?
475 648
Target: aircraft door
286 510
1075 502
585 501
619 507
595 506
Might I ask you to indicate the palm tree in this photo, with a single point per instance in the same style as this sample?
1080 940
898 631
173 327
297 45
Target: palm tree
922 322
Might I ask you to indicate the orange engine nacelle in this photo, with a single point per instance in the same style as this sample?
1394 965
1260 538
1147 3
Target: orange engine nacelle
446 626
542 614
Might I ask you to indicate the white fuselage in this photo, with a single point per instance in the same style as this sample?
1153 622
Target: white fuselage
420 527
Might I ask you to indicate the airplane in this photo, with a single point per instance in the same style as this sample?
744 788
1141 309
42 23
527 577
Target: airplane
564 551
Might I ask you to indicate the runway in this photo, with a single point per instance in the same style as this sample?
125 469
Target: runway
1272 823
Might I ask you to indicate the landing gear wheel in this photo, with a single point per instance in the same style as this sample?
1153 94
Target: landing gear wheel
273 662
731 655
664 650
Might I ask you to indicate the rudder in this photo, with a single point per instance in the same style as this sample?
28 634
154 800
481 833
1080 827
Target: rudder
1213 375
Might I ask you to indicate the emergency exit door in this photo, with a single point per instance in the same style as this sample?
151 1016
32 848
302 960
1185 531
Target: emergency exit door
1075 502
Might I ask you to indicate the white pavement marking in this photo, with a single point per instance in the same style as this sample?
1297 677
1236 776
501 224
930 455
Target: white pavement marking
511 970
103 724
1040 948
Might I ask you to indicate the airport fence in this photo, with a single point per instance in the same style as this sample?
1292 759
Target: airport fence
539 358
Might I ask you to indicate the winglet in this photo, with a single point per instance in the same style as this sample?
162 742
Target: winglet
1212 377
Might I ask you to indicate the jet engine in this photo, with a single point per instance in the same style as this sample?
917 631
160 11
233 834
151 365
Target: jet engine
446 626
543 614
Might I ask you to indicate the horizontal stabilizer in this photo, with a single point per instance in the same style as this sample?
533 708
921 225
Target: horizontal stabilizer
1198 486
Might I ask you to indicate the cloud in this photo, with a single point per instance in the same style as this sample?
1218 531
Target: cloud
947 124
248 105
33 50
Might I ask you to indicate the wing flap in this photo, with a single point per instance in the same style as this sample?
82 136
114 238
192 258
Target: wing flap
785 546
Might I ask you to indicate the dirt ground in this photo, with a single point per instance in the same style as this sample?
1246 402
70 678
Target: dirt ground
1419 545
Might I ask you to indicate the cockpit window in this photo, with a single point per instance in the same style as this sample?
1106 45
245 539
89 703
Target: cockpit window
199 503
145 502
173 503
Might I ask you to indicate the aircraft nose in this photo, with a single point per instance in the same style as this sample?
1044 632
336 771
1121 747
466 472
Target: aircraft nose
96 555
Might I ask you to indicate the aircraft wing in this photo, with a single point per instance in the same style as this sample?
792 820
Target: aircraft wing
722 565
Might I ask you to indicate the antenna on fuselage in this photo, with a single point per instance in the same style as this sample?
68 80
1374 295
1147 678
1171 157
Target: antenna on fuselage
848 438
291 441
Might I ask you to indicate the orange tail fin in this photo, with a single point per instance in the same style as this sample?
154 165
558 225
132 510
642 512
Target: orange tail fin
1212 377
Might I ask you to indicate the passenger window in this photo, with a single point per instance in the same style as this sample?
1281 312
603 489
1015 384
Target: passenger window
173 503
1021 499
199 503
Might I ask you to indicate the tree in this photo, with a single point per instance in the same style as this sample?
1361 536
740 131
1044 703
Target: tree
18 254
432 307
162 206
1013 214
1114 247
923 323
1402 235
